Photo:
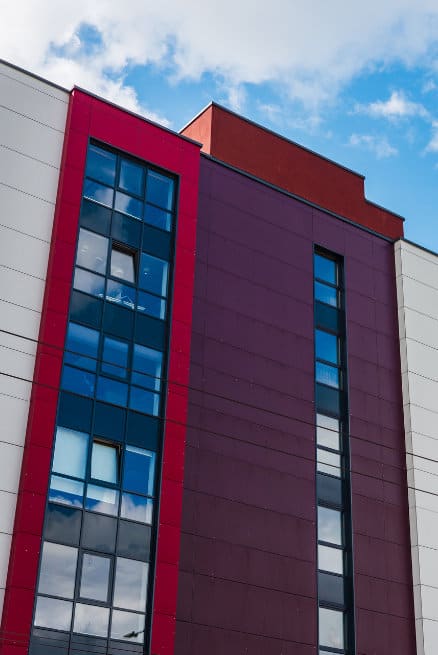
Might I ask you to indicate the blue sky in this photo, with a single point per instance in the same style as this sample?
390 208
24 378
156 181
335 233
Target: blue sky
357 83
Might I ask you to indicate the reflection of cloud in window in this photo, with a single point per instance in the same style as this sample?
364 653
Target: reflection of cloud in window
131 584
137 508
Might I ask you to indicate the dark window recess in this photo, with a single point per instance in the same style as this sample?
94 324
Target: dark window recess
109 421
95 217
134 540
63 524
74 412
328 400
118 321
329 489
99 532
86 309
150 332
157 242
143 431
127 230
331 588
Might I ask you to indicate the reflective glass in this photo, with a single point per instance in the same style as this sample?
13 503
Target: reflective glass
159 190
330 559
91 620
328 399
95 577
152 305
99 532
131 177
325 269
326 294
92 251
131 583
146 367
112 391
128 205
63 524
71 449
115 357
327 431
89 283
134 540
158 217
326 346
83 343
144 401
66 491
330 525
58 570
53 613
126 229
329 489
102 499
331 588
122 294
78 381
153 274
105 462
331 628
326 374
99 193
122 265
101 165
329 462
138 473
136 508
128 626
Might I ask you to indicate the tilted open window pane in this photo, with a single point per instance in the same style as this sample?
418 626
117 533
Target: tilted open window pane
58 570
92 251
70 456
330 525
138 474
105 462
123 264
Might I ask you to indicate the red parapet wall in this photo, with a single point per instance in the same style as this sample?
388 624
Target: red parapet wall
90 117
287 165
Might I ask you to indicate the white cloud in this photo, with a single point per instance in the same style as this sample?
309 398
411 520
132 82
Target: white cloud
429 86
379 145
397 106
432 146
310 48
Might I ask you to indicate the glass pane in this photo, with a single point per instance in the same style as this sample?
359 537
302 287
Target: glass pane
92 251
330 525
326 346
112 392
63 524
126 229
102 499
98 193
329 490
65 491
136 508
147 402
328 400
138 473
131 584
159 190
152 305
327 317
330 559
105 462
78 381
325 269
89 283
115 357
122 265
121 294
70 456
134 540
153 274
146 367
326 294
101 165
99 532
53 613
83 342
131 177
128 205
331 588
158 217
91 620
329 462
331 628
327 431
58 570
129 626
95 577
328 375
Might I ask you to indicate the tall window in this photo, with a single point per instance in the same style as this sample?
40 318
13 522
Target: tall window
335 589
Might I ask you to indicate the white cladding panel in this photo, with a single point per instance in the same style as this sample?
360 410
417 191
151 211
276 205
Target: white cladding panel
32 124
417 292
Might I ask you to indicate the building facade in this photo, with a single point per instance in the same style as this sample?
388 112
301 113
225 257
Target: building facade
217 386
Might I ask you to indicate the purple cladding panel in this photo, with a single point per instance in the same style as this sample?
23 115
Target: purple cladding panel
247 581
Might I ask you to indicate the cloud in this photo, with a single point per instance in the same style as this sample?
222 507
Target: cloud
429 86
380 146
310 49
397 106
432 146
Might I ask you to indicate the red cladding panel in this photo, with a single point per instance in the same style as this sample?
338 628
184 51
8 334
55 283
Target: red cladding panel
90 117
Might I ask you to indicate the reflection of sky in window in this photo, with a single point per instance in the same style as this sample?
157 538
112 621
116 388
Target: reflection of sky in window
327 431
329 462
147 361
153 274
70 452
98 192
58 570
330 559
328 375
53 613
131 584
128 205
136 508
329 525
95 577
331 629
325 269
124 623
91 620
65 491
326 346
92 251
101 165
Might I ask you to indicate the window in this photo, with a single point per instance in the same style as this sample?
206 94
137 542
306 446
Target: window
326 346
92 251
105 462
153 274
95 575
327 431
82 344
147 367
330 559
91 620
115 357
331 628
101 165
138 474
159 190
122 264
53 613
89 283
131 584
131 177
70 456
58 570
329 525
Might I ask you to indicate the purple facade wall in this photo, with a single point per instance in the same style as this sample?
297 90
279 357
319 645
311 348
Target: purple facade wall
247 581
